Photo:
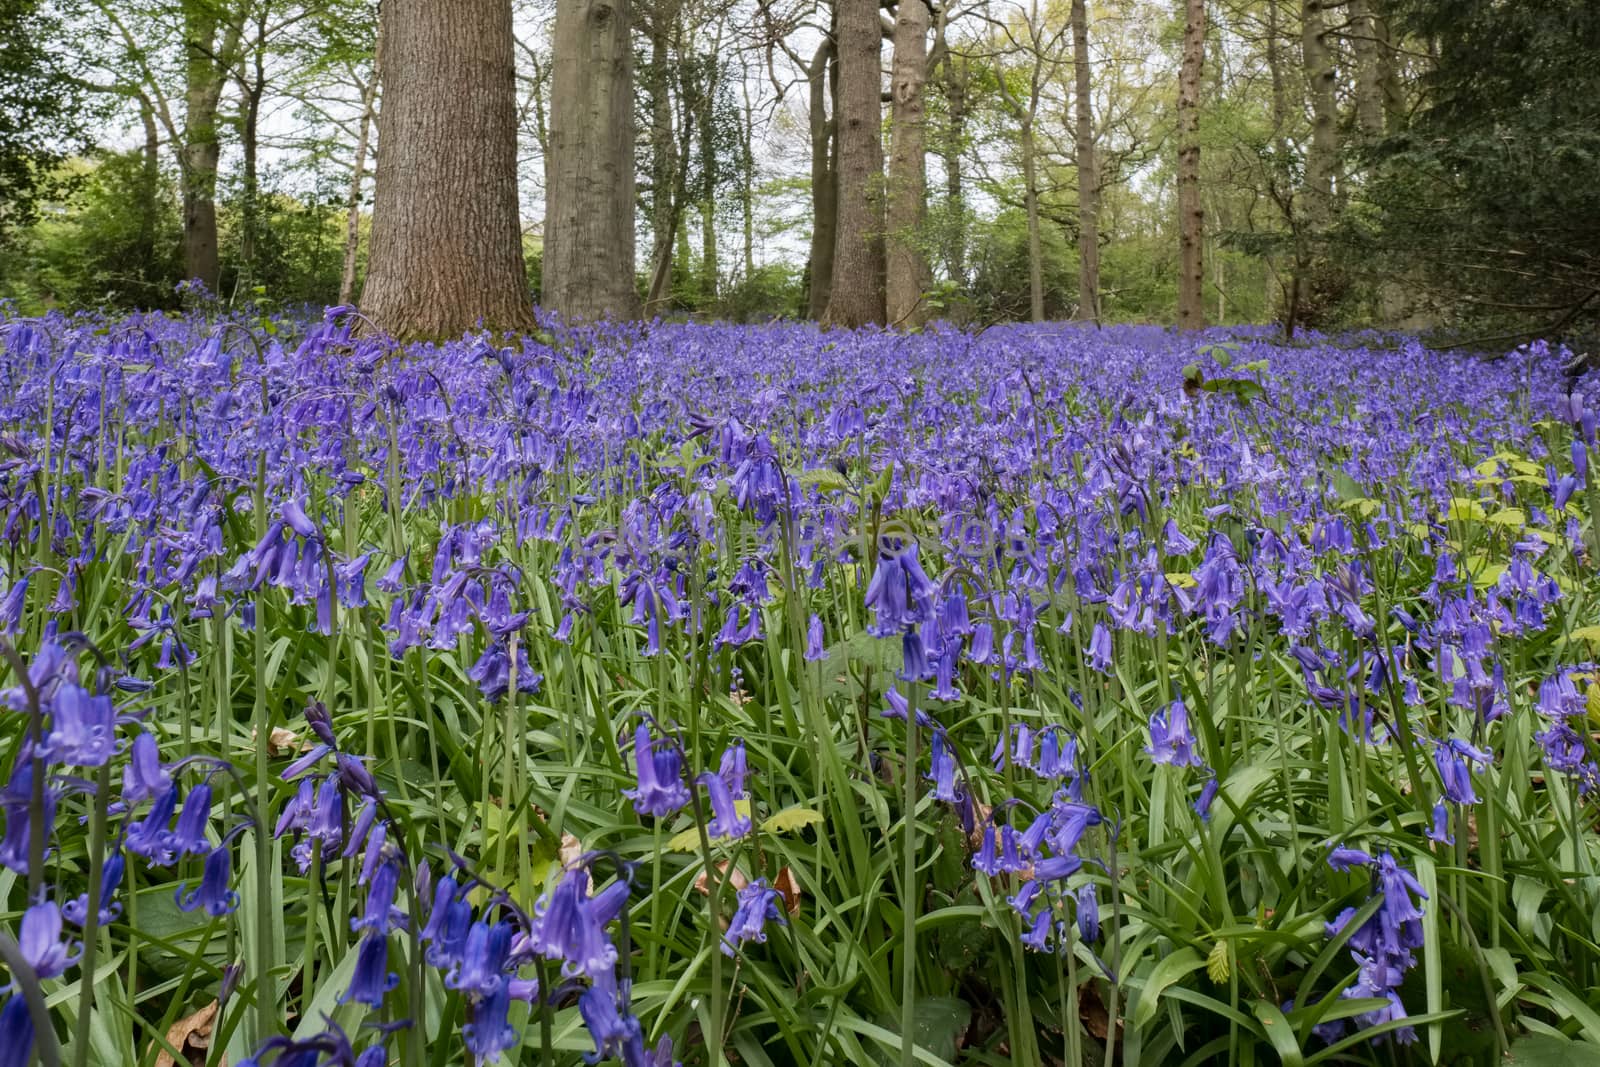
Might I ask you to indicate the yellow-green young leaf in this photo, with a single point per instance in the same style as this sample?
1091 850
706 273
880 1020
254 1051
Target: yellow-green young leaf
1483 571
791 819
1586 633
1488 467
1366 506
1182 579
1217 963
1528 467
1592 699
1509 517
1465 509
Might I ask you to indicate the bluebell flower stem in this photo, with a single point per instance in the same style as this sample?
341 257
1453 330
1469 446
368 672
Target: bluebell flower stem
91 921
264 918
909 891
714 882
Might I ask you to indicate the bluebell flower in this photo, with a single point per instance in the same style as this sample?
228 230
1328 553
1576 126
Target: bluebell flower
82 727
143 777
213 892
481 970
942 769
758 903
41 944
490 1033
1037 936
1088 912
733 768
610 1029
1440 830
568 928
150 837
372 979
380 916
1452 759
1208 796
16 1033
1099 650
814 647
16 801
1171 741
1342 858
76 911
189 837
661 791
726 820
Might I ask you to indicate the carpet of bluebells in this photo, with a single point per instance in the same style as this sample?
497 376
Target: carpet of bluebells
774 696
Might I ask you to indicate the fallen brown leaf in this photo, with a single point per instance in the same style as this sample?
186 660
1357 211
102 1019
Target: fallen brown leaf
192 1037
786 884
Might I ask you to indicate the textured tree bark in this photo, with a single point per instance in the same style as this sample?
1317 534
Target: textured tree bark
1088 170
1191 216
955 251
824 188
206 64
446 247
358 172
149 188
908 275
857 296
1369 76
588 242
663 154
709 177
1030 205
1322 157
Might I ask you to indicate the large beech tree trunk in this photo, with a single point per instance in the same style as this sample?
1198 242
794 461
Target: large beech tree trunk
1191 216
858 261
588 230
908 276
955 90
446 237
1088 170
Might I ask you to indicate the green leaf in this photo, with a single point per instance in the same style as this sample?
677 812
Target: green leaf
1542 1050
1181 963
1217 967
791 819
937 1024
824 478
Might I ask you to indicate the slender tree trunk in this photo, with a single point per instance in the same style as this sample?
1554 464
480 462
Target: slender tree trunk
358 172
206 66
747 163
1322 158
708 179
955 253
1030 203
1088 169
1394 100
149 190
1191 216
250 192
824 188
663 156
1369 80
857 296
588 252
907 266
446 232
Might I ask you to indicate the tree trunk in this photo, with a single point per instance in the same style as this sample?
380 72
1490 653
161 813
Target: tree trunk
747 163
824 187
1322 157
250 193
446 234
908 275
206 66
663 156
588 250
955 252
857 296
358 171
1191 216
708 181
1030 203
1369 78
1088 170
149 193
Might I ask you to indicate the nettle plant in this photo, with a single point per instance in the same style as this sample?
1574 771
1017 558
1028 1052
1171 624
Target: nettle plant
765 694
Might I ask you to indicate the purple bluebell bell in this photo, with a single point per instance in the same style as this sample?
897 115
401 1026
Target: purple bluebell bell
40 941
213 892
1171 741
372 979
661 791
726 819
76 911
758 903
